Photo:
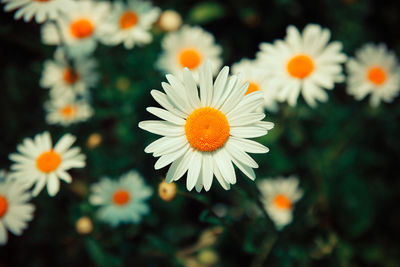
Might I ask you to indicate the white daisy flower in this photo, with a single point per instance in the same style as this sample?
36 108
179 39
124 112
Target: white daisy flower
42 10
375 71
15 212
39 163
79 28
304 63
249 71
67 111
123 200
205 135
129 23
67 81
278 197
189 48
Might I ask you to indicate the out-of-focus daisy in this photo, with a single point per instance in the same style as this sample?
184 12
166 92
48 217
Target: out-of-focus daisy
374 71
206 135
279 196
123 200
42 10
304 63
129 23
189 48
39 163
67 111
256 77
15 212
67 81
79 27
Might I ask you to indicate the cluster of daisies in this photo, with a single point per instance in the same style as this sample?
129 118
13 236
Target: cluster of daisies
207 116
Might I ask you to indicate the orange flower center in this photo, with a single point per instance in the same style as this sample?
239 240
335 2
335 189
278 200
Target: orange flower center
376 75
3 206
121 197
81 28
282 202
207 129
253 86
128 20
189 58
70 76
48 161
69 111
300 66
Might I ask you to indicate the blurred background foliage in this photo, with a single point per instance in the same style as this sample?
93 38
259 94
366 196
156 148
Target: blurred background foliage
345 153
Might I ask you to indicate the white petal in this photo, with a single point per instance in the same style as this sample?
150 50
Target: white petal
166 115
53 185
162 128
194 170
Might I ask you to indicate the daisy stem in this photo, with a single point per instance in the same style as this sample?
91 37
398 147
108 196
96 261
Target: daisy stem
262 256
63 44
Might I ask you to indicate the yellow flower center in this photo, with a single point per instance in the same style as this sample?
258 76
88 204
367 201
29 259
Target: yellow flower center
253 86
189 58
121 197
206 129
81 28
376 75
282 202
70 76
300 66
69 111
48 161
3 206
128 20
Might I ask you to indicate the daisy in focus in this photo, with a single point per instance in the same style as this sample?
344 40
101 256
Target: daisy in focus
256 77
129 23
189 48
375 71
38 163
78 27
279 196
67 111
41 10
15 212
303 62
206 135
123 200
64 80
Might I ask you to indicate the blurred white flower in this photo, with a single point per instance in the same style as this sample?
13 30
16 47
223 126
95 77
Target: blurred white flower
64 80
249 70
206 135
79 28
41 10
39 163
129 23
304 63
375 71
279 196
189 48
67 110
123 200
15 212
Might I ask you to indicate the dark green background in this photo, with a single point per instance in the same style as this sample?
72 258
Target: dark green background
345 152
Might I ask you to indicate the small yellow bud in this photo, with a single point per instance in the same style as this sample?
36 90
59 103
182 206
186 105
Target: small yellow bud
94 140
84 225
170 20
207 257
167 191
123 83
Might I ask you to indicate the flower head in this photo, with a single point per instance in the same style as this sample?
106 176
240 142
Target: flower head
375 71
303 62
279 196
189 48
39 163
129 23
15 212
206 135
123 200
